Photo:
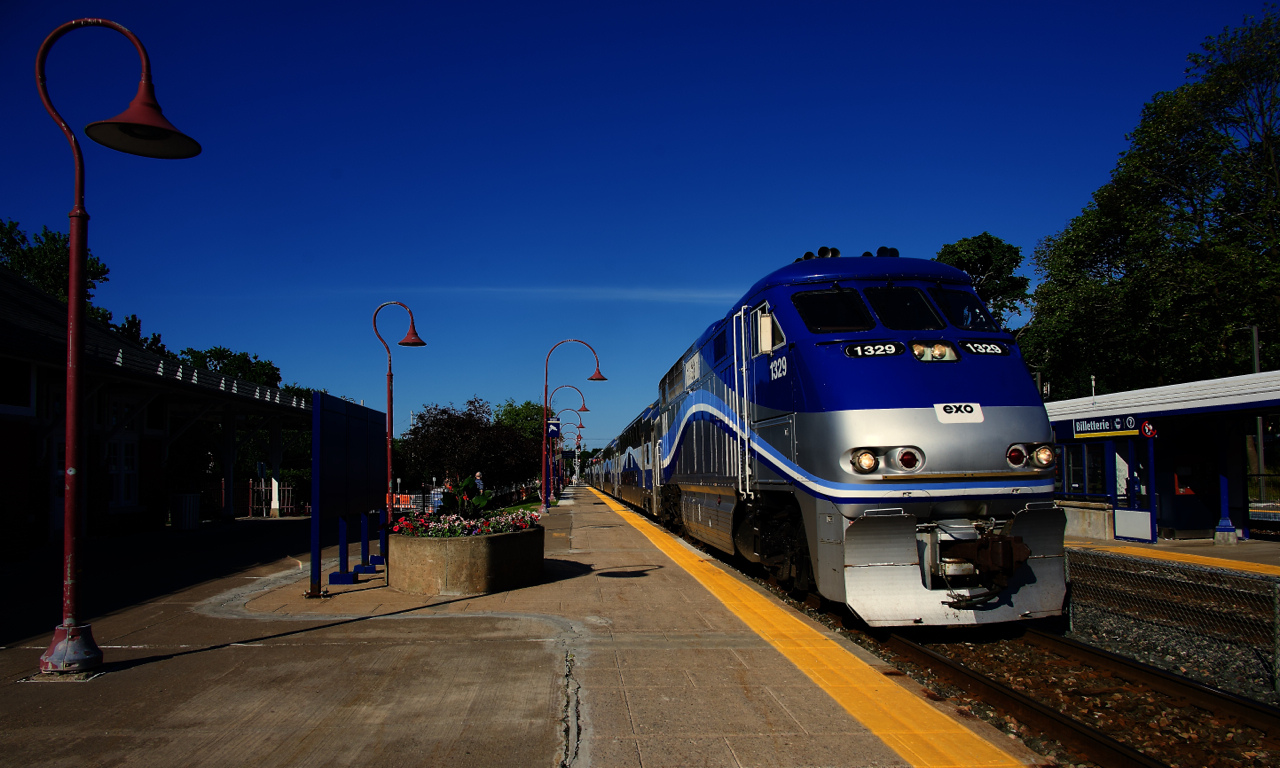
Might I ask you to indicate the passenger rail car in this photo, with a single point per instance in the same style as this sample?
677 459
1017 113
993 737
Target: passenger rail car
863 429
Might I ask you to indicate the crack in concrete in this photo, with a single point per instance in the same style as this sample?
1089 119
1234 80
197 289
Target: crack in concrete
572 717
569 635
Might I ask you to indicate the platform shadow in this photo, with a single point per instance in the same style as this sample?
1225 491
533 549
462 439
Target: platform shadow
554 570
630 572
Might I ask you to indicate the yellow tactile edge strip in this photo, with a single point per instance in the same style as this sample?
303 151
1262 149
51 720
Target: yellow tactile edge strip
1181 557
920 734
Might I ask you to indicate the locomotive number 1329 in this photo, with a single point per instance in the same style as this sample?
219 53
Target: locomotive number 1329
874 350
777 368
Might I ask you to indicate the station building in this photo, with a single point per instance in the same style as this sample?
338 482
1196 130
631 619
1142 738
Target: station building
1176 462
137 407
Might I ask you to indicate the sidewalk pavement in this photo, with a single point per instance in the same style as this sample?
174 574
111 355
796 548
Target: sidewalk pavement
618 658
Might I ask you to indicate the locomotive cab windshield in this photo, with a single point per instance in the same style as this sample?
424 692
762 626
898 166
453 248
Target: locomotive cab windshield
836 310
904 308
964 310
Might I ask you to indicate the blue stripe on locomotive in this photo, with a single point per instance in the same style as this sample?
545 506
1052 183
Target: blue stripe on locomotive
701 405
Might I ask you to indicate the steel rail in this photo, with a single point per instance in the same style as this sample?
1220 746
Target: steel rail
1257 715
1097 746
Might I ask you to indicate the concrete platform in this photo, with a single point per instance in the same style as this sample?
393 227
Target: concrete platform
621 657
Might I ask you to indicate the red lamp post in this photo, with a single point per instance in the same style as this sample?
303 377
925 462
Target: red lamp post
579 425
584 408
546 403
577 442
558 452
411 339
139 130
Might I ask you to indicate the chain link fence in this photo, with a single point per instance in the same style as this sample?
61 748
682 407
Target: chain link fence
1219 625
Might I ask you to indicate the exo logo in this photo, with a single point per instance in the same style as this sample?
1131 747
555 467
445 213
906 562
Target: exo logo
958 413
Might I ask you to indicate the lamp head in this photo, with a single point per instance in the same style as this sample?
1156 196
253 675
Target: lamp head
584 409
411 339
142 130
596 376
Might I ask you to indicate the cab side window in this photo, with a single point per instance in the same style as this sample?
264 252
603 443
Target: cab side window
765 331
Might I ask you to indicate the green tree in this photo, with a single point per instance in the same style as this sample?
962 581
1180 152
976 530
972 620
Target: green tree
525 418
991 262
240 365
451 444
131 329
1149 284
46 264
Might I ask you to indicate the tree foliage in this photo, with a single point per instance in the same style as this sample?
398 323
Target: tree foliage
525 418
46 263
451 444
131 329
991 262
241 365
1181 248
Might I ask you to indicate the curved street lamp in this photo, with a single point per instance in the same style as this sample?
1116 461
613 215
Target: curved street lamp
564 444
411 339
583 409
546 402
139 130
574 411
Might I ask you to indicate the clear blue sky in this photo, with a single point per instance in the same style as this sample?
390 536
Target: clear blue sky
521 173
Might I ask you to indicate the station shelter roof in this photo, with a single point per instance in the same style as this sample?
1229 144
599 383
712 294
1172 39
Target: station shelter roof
1251 392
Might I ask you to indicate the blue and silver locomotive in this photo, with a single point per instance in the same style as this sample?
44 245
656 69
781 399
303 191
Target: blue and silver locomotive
863 429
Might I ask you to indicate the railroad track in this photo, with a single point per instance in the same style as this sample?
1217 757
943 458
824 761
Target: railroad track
1236 608
1138 705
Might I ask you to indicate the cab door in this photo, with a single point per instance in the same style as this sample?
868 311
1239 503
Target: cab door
773 374
772 367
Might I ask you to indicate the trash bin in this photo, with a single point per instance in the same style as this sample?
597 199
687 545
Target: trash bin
184 511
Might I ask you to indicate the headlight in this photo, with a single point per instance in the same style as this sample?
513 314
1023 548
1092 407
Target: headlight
864 461
934 351
1017 455
1043 456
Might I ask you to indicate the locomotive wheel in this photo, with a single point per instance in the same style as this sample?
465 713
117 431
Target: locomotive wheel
669 513
790 564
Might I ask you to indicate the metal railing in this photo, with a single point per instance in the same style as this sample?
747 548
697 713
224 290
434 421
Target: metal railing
1264 490
128 358
1226 617
260 499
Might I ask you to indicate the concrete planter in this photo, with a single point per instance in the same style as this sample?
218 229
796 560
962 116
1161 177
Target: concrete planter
466 565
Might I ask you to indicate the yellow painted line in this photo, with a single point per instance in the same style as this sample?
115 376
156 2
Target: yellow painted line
1181 557
920 734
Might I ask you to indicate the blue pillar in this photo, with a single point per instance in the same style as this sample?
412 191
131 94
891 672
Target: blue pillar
1225 533
1109 471
383 529
1150 484
344 574
365 566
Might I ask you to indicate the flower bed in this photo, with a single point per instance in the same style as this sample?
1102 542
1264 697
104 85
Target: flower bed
450 526
453 555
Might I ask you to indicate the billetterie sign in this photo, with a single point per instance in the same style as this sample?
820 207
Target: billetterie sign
1106 426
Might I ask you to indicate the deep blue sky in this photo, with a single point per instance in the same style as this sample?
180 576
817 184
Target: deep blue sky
521 173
